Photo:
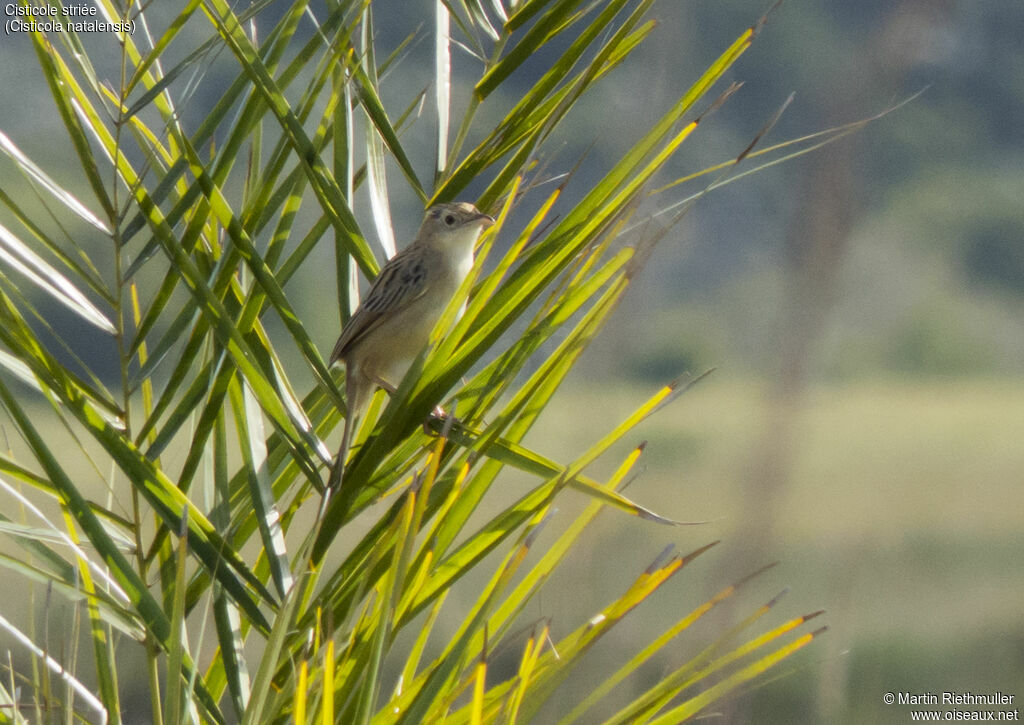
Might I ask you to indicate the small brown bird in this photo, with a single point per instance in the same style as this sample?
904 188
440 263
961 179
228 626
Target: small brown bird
393 323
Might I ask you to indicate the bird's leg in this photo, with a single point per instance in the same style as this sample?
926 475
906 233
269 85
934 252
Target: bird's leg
382 383
438 413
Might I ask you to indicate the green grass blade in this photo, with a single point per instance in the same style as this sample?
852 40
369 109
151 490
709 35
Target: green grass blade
157 51
84 271
49 62
167 499
553 22
121 570
374 107
109 519
375 171
254 453
556 665
33 172
321 181
442 83
23 372
429 700
650 650
227 621
256 710
554 555
694 705
107 610
20 256
52 665
174 698
704 664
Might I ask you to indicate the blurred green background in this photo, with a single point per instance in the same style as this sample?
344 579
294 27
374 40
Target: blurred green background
863 308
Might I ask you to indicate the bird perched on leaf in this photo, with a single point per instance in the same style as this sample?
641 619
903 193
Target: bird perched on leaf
393 323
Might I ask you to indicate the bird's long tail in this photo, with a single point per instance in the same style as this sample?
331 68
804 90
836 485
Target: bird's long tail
356 396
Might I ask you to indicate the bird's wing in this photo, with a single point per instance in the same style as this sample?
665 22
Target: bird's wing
402 280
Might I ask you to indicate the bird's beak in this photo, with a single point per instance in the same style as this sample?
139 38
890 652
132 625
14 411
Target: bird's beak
485 220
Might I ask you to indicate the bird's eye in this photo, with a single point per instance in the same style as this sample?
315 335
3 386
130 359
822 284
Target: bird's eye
449 219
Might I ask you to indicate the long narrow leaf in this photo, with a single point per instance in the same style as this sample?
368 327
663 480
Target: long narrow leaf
19 256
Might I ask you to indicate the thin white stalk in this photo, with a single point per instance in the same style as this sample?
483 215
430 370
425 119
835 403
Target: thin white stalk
20 256
56 668
258 451
442 82
96 568
62 195
499 10
376 177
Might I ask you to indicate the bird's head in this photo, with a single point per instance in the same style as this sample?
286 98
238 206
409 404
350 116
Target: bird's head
454 225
